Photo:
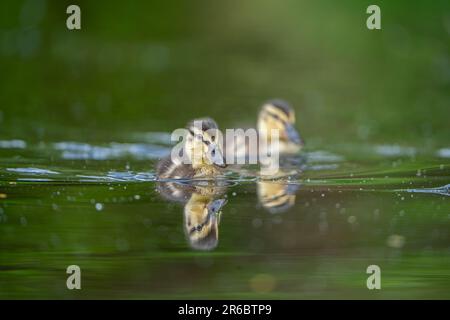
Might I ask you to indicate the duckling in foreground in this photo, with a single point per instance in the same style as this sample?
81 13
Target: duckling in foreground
203 150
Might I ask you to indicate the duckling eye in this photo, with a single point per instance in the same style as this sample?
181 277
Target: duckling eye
213 138
213 152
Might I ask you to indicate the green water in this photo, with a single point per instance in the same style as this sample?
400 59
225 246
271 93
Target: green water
85 116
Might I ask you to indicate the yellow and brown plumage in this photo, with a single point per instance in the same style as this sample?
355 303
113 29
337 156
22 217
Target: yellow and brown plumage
202 148
201 212
275 115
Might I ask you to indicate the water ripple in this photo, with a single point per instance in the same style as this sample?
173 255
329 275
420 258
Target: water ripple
114 150
31 171
445 190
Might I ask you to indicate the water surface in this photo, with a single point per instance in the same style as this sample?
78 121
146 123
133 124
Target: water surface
98 206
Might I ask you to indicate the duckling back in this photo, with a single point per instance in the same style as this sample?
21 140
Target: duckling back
167 169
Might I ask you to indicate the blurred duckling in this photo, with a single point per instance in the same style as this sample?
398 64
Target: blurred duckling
274 114
203 150
278 114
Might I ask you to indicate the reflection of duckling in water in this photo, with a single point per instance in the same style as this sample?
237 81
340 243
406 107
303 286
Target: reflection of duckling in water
202 208
202 150
201 221
276 197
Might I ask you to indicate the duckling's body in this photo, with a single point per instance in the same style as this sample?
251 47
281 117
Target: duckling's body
279 115
274 115
203 153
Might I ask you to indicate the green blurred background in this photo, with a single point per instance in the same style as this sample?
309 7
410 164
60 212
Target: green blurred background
153 65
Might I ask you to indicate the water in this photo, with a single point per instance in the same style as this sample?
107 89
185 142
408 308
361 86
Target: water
305 235
85 115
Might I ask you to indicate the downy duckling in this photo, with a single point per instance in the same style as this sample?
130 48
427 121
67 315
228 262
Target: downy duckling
278 114
274 115
201 148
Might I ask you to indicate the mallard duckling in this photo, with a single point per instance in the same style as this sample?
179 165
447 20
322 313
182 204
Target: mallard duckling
201 221
203 150
278 114
274 115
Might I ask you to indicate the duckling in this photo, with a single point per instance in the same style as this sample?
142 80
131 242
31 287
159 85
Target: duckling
274 114
278 114
202 149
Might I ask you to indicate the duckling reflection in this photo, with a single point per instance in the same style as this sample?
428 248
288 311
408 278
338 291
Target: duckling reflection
276 197
201 221
203 205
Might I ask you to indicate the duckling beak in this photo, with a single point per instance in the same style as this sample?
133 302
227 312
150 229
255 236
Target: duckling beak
216 206
293 134
217 157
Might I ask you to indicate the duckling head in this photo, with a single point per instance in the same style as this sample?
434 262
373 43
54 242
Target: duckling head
201 221
279 115
204 146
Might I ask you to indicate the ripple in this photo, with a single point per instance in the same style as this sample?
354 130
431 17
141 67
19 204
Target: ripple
13 144
131 176
115 150
35 179
395 150
323 156
444 190
443 153
31 171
